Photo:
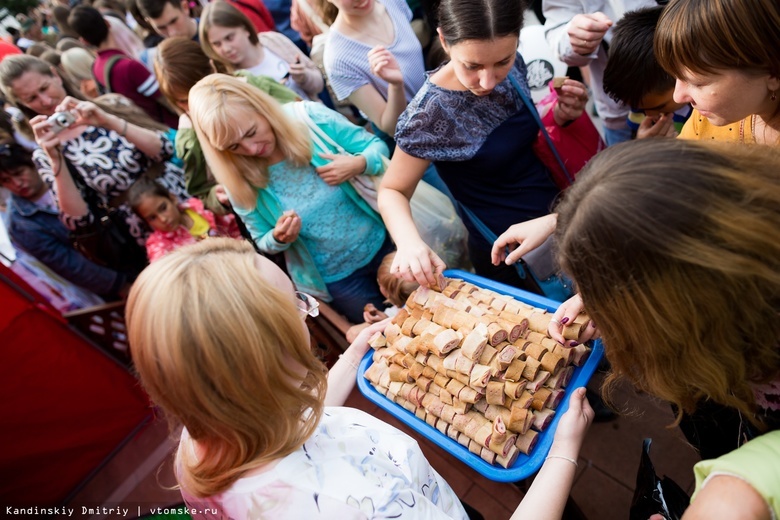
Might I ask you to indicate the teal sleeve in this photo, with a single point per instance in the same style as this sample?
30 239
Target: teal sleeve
261 231
354 139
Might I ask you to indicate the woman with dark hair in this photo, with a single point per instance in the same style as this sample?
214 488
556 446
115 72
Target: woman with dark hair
104 153
724 55
675 249
227 35
470 120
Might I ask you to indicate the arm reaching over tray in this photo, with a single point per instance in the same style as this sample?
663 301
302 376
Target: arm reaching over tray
547 496
341 378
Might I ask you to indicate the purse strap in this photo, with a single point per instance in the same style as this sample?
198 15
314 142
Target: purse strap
487 234
532 108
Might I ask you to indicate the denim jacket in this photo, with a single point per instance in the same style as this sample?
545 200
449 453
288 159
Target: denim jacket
41 233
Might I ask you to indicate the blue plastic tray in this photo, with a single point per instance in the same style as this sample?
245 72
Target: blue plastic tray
525 465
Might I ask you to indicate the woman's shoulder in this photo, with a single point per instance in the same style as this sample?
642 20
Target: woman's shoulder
698 127
274 39
344 54
398 8
318 112
756 463
450 125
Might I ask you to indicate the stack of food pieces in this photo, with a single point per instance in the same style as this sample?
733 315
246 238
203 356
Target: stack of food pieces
476 365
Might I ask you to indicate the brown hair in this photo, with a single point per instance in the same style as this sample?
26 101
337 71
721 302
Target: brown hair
327 11
707 36
675 248
396 289
215 345
222 14
14 67
124 108
179 64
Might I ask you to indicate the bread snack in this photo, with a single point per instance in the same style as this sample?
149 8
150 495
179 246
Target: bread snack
558 83
476 365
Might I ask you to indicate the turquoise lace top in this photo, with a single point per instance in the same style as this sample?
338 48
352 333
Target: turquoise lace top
340 236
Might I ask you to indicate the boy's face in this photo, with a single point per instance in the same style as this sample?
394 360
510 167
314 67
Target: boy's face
174 21
656 103
24 182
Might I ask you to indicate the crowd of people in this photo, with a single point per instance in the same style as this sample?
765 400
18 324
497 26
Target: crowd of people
229 167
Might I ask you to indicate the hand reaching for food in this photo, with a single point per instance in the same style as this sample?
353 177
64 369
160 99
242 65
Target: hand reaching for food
372 315
567 316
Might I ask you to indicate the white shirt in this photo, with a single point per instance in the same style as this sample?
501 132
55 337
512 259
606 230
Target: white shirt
354 466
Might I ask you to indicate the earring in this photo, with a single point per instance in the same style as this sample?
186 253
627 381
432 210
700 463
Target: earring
773 97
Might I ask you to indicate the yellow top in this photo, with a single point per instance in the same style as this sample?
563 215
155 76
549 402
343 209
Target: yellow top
699 127
200 226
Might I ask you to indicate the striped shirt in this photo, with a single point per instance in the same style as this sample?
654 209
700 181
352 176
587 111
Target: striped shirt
346 59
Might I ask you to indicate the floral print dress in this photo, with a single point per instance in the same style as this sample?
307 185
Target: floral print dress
353 467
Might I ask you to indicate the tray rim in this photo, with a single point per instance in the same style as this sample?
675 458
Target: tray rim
526 465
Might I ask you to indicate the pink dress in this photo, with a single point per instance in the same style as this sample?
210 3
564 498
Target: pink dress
161 243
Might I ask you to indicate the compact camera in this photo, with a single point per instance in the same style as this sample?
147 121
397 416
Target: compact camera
59 121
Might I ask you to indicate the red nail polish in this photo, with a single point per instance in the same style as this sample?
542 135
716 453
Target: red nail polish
574 343
564 321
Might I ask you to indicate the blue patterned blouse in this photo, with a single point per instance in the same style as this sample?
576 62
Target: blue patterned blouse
482 148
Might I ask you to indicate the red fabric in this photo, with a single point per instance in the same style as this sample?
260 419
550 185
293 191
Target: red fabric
576 143
128 76
7 49
66 407
257 12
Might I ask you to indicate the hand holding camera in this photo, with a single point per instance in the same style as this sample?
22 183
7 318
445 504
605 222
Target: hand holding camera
59 121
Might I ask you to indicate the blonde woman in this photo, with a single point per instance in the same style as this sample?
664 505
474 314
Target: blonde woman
228 36
293 195
179 64
265 434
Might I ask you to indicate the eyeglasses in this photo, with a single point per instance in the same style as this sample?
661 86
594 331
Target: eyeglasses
307 304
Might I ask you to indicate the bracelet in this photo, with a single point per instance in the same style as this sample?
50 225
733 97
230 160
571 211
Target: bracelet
352 364
124 128
564 458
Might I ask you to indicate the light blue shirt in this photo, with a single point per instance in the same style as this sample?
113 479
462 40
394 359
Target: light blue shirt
340 236
346 60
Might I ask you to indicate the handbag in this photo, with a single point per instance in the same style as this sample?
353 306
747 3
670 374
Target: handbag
540 264
106 240
564 151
